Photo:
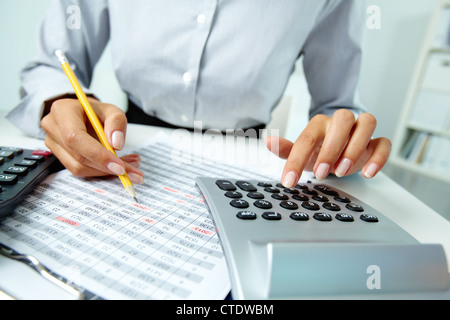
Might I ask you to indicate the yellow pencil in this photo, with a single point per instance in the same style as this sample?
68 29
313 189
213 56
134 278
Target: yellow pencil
92 116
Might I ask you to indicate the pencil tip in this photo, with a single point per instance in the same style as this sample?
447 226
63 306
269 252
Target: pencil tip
135 199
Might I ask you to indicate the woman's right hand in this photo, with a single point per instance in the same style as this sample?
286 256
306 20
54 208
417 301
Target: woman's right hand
71 138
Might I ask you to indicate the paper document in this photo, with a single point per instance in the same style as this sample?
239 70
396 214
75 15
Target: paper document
90 232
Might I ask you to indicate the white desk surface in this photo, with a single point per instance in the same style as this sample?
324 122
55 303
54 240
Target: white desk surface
382 193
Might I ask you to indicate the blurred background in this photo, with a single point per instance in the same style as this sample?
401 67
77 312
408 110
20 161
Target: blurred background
406 64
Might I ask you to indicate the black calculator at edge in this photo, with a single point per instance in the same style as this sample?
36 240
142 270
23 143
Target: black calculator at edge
20 171
315 240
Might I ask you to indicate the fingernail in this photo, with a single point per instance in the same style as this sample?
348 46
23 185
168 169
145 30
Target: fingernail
290 179
322 171
371 170
135 164
116 168
135 178
118 140
343 167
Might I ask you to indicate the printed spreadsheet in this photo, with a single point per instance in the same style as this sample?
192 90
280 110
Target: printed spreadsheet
92 234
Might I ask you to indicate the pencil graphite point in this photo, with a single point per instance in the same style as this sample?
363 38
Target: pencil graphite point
135 199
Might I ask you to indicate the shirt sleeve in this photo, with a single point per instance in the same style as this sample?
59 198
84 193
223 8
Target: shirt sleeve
332 57
79 28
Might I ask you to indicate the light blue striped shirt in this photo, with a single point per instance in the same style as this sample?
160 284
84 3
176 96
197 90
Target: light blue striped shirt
223 62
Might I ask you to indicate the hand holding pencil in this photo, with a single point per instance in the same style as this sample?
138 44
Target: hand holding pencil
70 127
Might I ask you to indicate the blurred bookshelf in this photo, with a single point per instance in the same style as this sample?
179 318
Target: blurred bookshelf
422 139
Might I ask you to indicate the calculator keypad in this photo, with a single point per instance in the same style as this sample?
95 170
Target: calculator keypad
320 202
20 170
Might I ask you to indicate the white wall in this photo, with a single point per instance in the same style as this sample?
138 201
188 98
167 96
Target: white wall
390 55
19 20
19 24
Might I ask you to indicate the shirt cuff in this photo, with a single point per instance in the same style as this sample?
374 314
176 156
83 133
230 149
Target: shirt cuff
27 115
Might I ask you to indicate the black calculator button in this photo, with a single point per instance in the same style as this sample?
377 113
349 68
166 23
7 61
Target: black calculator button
354 207
20 171
241 204
343 199
291 190
310 205
262 204
264 184
246 215
35 157
233 194
17 151
300 197
272 189
271 215
319 197
246 186
331 206
222 184
255 195
330 192
299 216
279 196
26 163
326 190
7 154
320 187
290 205
310 192
345 217
2 160
8 179
301 186
322 216
369 218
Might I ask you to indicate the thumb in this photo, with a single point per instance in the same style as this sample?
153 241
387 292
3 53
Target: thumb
114 123
281 147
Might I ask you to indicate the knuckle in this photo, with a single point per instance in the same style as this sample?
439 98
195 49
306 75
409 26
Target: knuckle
79 159
306 138
98 156
320 118
45 123
77 169
368 119
118 117
48 143
58 105
387 142
345 114
71 138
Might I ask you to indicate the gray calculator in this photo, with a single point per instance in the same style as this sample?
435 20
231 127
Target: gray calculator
315 240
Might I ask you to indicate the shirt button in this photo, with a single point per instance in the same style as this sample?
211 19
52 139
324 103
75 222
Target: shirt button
201 19
184 118
187 77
